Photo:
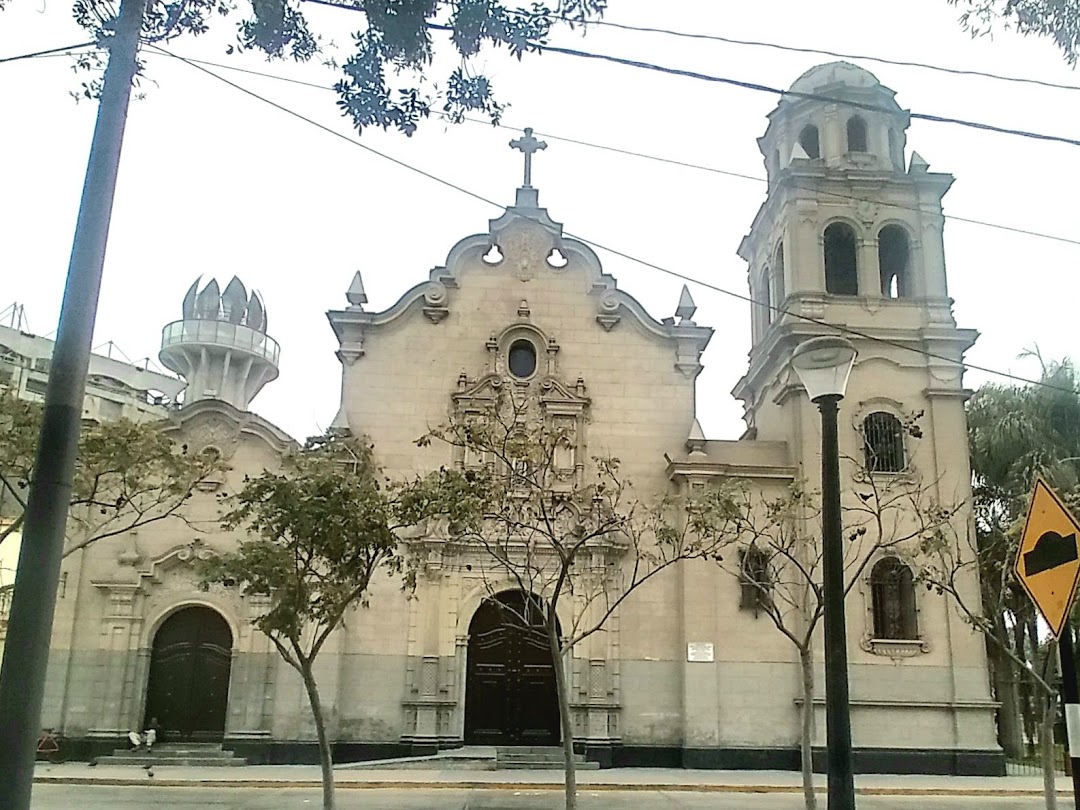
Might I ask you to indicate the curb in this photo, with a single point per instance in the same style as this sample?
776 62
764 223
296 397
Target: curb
602 787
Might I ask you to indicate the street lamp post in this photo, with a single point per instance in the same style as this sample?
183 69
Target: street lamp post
824 365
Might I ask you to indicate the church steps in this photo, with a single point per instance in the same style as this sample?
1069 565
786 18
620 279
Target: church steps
538 758
188 754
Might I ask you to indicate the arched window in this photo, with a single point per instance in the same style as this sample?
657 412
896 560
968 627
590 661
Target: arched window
810 142
841 268
893 595
894 255
779 289
754 579
883 443
856 135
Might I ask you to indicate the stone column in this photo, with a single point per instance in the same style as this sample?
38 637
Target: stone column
119 642
701 698
251 682
869 272
461 655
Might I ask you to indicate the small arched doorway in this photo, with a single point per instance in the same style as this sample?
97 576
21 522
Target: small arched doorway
188 688
510 692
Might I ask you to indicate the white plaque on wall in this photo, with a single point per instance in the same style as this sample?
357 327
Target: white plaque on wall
700 651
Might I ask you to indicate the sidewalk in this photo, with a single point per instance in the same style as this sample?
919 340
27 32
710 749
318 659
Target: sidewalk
613 779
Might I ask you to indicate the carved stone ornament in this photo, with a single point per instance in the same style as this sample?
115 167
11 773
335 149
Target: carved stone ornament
866 212
435 301
214 431
607 311
180 556
525 248
812 307
895 649
351 351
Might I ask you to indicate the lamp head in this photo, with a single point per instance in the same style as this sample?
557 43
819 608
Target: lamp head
824 365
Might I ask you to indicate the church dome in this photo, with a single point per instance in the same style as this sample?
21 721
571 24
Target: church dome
834 73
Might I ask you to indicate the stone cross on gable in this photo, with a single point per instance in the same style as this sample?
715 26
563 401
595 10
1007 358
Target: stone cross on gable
528 145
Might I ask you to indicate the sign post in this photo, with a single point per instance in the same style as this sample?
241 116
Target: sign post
1048 566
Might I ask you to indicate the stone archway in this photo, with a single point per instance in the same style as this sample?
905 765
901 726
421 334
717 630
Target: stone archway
188 687
510 692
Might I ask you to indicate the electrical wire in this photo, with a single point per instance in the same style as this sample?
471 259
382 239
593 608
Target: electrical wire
840 328
762 88
656 158
822 52
49 52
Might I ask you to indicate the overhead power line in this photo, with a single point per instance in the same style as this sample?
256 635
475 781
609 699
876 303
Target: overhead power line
764 88
647 156
755 86
614 251
822 52
49 52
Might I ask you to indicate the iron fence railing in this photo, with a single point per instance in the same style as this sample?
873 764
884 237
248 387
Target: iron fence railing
1032 765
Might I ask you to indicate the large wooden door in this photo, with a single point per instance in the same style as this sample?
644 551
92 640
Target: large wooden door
511 697
188 688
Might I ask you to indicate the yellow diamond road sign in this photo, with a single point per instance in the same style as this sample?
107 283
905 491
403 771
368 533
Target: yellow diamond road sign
1047 563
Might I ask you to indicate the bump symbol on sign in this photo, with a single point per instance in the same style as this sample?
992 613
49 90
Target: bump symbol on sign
1051 550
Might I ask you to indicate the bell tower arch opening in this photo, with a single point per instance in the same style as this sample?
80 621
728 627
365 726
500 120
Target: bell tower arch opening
187 692
510 692
810 141
856 135
894 257
841 262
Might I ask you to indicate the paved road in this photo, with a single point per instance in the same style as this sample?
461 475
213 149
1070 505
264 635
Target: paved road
84 797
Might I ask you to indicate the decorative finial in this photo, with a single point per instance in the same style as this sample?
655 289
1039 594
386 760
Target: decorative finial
355 294
528 145
686 308
695 442
918 164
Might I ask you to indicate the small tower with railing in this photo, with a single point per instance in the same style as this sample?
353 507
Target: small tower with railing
220 346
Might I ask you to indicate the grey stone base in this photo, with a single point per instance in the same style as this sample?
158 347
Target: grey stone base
866 760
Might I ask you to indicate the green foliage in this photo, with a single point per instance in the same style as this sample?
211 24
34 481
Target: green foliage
386 79
319 533
127 474
1057 19
1016 433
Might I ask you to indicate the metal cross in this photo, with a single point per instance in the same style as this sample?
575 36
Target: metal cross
528 145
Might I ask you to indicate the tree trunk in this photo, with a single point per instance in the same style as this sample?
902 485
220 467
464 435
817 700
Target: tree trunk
1046 742
806 738
325 758
563 691
1004 676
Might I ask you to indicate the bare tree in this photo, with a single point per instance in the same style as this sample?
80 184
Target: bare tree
950 564
779 561
576 550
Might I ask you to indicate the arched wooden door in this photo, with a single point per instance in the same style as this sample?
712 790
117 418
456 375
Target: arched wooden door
188 689
510 696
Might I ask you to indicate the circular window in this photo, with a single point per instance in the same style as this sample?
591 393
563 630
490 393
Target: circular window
522 359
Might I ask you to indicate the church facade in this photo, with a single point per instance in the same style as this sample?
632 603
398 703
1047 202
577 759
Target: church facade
850 236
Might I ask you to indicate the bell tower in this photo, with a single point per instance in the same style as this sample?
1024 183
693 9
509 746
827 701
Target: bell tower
850 236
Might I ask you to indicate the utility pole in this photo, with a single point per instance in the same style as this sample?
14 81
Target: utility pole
26 649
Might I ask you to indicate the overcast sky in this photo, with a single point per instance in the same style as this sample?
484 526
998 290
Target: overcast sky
214 182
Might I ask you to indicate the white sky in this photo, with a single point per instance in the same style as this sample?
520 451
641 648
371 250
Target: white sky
216 183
